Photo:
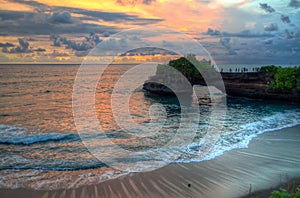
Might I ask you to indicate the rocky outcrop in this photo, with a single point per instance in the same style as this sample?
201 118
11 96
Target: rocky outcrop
208 94
255 85
250 85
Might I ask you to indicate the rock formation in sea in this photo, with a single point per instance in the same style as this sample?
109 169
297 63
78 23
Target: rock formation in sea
254 85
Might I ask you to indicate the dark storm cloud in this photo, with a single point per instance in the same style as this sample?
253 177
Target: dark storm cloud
56 40
226 43
15 15
22 48
271 27
259 50
292 35
90 42
54 36
285 19
106 34
6 44
23 44
266 7
242 34
93 38
212 32
61 17
287 34
116 17
75 46
38 6
29 23
266 51
101 15
58 20
294 3
56 43
95 15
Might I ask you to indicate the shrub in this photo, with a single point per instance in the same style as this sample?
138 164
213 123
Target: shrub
284 78
269 69
284 194
188 66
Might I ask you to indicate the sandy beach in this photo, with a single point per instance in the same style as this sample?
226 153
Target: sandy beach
271 159
149 98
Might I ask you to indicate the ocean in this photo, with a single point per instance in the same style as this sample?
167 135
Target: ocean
42 149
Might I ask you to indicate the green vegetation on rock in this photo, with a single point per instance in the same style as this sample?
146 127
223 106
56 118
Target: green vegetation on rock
284 78
284 194
188 66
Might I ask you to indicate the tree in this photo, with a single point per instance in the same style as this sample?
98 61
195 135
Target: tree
188 66
284 78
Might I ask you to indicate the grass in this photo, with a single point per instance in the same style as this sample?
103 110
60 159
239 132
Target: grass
285 78
286 190
282 193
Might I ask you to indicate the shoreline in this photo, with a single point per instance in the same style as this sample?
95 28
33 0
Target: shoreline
271 159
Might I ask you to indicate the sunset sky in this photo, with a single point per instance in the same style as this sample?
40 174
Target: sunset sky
232 31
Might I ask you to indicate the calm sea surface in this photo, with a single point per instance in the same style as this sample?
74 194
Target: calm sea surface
40 147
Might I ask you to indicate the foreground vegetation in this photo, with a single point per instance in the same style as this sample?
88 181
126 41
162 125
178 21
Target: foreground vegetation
285 190
282 193
285 78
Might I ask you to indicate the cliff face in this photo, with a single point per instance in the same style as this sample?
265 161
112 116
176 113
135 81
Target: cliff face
255 85
249 85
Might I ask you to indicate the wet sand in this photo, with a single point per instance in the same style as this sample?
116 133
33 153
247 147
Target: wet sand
271 159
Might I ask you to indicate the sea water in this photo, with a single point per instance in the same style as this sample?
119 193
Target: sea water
40 147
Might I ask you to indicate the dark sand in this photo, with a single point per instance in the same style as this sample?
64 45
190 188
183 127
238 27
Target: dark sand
272 158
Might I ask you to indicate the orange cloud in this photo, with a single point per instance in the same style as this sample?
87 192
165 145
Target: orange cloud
183 15
186 16
7 5
103 5
190 16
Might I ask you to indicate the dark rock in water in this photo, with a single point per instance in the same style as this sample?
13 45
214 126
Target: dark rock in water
161 89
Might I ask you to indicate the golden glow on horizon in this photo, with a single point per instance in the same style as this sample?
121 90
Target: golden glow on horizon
66 56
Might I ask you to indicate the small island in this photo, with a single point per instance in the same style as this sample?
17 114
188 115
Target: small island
267 82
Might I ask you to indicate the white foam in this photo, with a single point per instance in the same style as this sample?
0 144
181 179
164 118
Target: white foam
238 139
17 135
242 138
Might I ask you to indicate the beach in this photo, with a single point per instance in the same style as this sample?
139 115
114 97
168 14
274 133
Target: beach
271 159
128 98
